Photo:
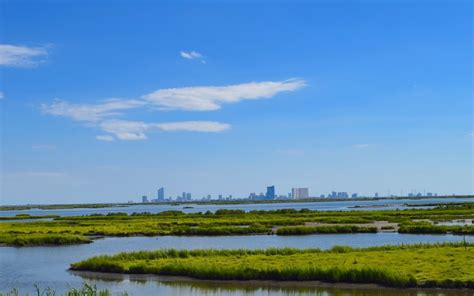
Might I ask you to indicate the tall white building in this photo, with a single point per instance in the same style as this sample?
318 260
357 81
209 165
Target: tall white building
299 193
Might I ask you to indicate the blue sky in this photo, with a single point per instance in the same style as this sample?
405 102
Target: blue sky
106 102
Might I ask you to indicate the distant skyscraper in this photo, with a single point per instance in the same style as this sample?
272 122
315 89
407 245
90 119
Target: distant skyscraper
188 196
299 193
354 195
161 194
342 195
376 194
144 199
270 192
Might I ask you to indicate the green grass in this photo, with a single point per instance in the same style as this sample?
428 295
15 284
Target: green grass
233 222
428 228
85 290
43 240
27 216
302 230
443 265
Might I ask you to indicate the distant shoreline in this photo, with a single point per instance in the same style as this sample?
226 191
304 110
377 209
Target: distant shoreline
213 202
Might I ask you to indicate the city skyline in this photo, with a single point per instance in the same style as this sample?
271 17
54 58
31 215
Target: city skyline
272 194
227 99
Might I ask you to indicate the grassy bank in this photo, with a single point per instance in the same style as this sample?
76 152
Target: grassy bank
428 228
43 240
443 265
84 290
302 230
27 217
237 222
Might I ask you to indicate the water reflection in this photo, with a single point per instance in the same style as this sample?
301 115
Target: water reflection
185 286
345 205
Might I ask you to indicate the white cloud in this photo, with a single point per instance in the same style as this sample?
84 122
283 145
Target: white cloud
104 115
90 112
21 56
208 98
126 130
361 146
106 138
136 130
194 126
192 55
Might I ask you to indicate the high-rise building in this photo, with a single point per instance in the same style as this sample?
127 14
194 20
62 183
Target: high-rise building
376 194
270 192
299 193
342 195
354 195
188 196
144 199
161 194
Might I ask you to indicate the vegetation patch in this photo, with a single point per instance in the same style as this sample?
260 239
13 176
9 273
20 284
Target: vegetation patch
43 240
234 222
302 230
428 228
440 265
84 290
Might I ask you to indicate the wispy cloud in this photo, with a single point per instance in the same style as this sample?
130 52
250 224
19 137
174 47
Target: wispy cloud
21 56
208 98
136 130
361 146
126 130
105 138
90 112
105 114
192 55
2 96
194 126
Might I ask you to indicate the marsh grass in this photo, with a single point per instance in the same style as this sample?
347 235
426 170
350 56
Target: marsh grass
302 230
85 290
439 265
428 228
43 240
226 222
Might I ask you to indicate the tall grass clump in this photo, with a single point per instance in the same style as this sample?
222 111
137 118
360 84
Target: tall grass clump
85 290
43 240
303 230
395 266
428 228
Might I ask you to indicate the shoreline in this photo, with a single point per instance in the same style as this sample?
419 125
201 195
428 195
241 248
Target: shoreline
212 202
106 276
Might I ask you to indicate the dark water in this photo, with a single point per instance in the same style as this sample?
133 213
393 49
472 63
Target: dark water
383 204
47 266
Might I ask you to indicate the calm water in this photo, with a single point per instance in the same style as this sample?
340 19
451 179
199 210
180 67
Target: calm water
388 204
47 266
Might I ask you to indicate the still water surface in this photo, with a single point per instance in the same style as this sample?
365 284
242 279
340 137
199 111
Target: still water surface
382 204
47 266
